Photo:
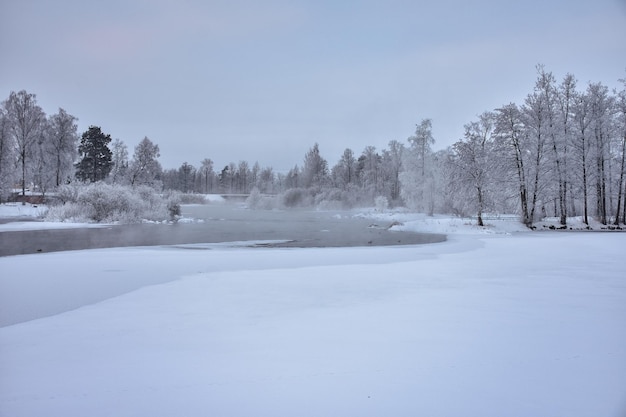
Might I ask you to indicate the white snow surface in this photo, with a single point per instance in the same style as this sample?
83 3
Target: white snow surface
485 324
33 212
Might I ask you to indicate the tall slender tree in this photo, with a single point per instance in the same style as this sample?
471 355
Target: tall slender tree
417 175
315 169
7 156
510 131
26 121
621 129
392 165
145 168
63 137
206 166
601 107
119 158
474 161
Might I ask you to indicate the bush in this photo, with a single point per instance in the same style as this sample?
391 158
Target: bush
102 202
381 203
297 197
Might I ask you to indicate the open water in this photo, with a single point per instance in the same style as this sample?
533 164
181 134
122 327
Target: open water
217 223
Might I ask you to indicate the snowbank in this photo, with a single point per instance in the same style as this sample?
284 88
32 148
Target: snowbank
525 325
8 210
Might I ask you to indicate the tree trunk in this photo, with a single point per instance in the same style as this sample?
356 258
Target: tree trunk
480 206
536 180
585 196
23 155
621 181
521 176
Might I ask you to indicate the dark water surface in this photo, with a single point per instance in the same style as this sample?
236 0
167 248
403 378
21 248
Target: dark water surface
222 223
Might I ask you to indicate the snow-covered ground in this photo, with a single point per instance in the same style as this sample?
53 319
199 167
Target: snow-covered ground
32 215
485 324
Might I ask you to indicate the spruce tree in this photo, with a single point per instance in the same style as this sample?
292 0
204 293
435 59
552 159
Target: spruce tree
96 157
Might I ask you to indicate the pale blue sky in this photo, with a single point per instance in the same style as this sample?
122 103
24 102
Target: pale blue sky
263 81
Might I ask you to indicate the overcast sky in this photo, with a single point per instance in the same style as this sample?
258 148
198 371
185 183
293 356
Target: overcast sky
263 81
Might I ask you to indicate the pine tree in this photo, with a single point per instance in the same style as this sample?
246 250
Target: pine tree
96 157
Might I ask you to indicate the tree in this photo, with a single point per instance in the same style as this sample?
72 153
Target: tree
369 172
621 127
145 169
293 179
416 177
343 173
7 156
41 168
25 123
537 129
96 157
243 177
206 166
226 180
315 169
63 138
392 166
601 108
566 96
187 175
510 131
473 160
582 137
266 180
119 157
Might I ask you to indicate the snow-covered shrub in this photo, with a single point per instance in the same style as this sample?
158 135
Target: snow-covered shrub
254 199
258 201
67 192
331 199
297 197
381 203
101 202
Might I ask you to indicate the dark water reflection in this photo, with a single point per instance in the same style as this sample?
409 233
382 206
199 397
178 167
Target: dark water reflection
222 223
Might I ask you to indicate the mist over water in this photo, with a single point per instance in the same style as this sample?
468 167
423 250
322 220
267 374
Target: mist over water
219 223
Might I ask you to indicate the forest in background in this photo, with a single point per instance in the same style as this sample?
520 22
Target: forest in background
561 153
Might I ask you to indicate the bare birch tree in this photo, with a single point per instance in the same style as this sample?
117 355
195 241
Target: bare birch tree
25 123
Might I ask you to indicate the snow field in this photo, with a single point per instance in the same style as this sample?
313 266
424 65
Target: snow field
524 325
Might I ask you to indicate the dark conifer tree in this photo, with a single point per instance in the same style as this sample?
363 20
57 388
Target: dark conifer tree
96 157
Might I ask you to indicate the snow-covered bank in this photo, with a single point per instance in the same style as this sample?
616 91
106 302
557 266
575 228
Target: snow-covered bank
493 224
524 325
8 210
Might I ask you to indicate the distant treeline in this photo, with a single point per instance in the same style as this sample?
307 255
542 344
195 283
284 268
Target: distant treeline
561 153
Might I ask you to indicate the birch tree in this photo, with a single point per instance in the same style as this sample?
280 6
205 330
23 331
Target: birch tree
600 106
621 133
510 130
62 135
473 161
119 158
7 156
416 177
25 123
315 169
344 172
206 166
566 97
145 169
392 166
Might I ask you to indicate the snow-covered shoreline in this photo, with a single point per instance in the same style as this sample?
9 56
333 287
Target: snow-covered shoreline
405 221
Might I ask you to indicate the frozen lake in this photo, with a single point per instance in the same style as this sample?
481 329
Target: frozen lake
223 223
